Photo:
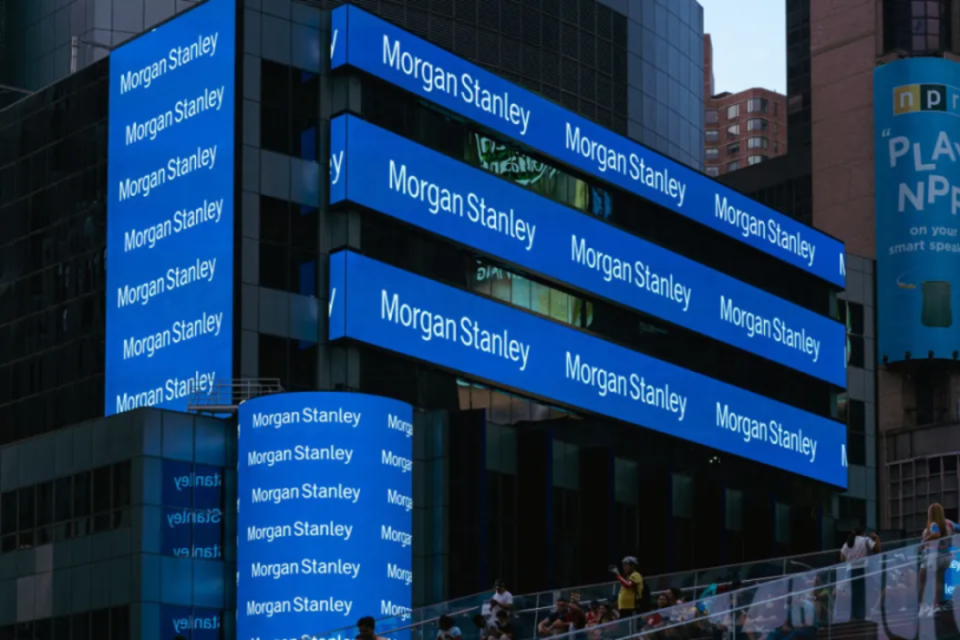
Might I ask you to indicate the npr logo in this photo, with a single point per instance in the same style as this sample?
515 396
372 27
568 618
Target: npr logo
911 98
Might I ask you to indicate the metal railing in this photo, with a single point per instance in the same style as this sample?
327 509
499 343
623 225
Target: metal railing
225 397
904 593
529 610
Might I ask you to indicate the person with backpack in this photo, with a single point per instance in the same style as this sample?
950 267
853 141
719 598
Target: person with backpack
633 595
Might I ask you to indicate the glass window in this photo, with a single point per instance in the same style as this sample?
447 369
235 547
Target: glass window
733 131
757 105
713 171
733 111
733 166
756 124
733 149
712 135
757 142
751 160
713 153
712 116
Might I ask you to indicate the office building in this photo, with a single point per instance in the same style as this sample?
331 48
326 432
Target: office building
540 452
743 128
856 129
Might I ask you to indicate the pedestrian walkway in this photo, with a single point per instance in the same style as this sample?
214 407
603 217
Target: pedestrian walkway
529 610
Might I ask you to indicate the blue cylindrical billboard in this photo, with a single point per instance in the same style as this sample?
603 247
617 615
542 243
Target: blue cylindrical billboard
325 512
917 140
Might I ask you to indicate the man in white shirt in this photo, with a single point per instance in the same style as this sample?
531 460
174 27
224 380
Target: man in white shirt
858 546
501 600
855 551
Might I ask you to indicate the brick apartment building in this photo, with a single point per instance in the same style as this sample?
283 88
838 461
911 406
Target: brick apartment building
741 129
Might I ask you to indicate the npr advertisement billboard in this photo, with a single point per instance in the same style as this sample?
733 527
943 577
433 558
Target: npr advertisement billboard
917 124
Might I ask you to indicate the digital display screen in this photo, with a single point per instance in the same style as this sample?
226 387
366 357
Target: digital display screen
917 202
170 211
390 174
325 515
375 46
405 313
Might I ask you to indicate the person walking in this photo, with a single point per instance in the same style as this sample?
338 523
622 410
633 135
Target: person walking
855 551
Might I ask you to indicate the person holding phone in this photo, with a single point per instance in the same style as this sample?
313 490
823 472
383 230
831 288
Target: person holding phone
631 587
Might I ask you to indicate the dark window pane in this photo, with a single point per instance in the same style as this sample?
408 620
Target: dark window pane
856 357
857 416
8 512
81 495
100 624
44 504
80 626
28 509
856 448
101 490
855 319
61 628
121 484
63 499
43 629
120 623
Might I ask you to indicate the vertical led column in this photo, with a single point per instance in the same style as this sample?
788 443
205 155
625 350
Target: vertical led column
325 512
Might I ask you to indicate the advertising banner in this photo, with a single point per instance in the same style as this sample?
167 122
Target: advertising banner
377 47
325 515
917 124
387 173
405 313
170 187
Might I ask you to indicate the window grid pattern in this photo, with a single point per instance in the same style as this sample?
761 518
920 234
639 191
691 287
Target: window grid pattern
573 53
918 482
917 26
101 624
65 508
52 236
582 55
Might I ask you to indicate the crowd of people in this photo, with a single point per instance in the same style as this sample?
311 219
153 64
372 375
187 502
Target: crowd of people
670 616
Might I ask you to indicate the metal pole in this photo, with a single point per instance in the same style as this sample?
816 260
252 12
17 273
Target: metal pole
74 50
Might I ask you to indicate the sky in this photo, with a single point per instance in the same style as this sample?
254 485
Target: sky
749 43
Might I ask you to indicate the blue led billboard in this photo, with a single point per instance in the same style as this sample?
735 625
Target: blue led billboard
325 514
387 173
917 200
368 43
396 310
170 211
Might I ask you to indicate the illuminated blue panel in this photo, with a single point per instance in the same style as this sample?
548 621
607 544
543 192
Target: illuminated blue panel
390 174
325 512
402 312
428 71
170 211
916 116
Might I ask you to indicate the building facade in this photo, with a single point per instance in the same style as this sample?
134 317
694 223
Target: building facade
509 482
741 129
632 67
